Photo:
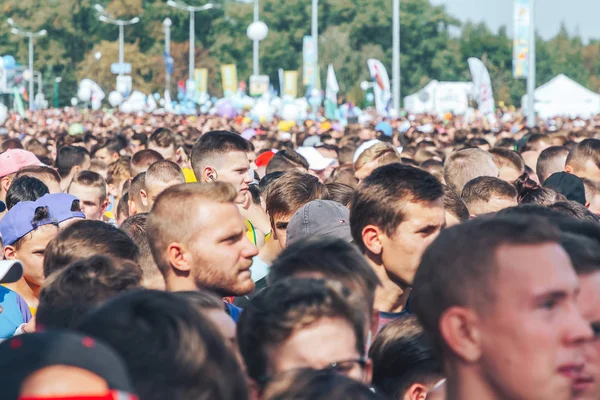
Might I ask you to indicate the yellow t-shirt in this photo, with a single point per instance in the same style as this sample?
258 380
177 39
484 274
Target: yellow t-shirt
189 175
251 232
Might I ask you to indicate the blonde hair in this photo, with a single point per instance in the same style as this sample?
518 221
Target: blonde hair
170 219
466 165
383 153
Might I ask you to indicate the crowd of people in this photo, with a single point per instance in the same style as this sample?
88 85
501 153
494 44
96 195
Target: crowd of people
160 257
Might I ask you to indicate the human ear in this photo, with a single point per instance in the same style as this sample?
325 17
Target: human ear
372 239
459 327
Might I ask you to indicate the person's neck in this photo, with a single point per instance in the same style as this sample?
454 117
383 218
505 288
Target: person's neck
270 251
28 291
468 384
180 284
390 296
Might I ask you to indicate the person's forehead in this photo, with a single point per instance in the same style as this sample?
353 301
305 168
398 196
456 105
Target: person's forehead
221 215
425 211
83 192
41 236
534 269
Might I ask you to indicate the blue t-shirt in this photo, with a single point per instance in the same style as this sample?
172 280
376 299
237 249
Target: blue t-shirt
233 311
14 312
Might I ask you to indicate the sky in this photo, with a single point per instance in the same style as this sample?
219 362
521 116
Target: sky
580 16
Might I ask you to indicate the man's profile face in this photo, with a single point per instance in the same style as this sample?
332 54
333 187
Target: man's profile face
31 253
337 342
403 251
587 385
532 332
234 168
103 155
221 252
89 198
280 224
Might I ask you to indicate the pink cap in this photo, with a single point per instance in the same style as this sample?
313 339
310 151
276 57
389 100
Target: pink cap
13 160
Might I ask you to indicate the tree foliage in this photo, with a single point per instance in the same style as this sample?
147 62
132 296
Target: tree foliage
434 45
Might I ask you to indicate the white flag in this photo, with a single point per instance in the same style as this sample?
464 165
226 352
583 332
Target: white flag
381 89
331 91
483 86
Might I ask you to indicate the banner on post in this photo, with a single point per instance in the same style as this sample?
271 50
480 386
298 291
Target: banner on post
201 78
381 88
259 85
309 62
521 43
331 91
229 78
290 83
482 86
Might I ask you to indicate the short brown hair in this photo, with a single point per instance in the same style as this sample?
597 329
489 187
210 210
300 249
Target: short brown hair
293 190
214 144
403 355
583 251
93 180
278 311
466 253
310 384
167 224
508 158
143 159
84 239
44 174
467 164
70 293
480 191
165 171
455 206
588 149
163 138
549 162
592 188
330 258
118 172
383 153
135 226
340 193
286 160
381 198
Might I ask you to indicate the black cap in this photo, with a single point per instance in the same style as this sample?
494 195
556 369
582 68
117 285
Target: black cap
568 185
23 355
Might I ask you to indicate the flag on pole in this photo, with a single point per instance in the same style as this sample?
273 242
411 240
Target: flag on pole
331 91
482 86
19 105
381 89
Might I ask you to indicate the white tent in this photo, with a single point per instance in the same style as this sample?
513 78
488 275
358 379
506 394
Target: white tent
563 96
440 98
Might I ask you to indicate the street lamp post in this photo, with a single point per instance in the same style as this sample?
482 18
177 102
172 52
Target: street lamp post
167 23
257 31
57 82
531 122
30 35
396 55
105 17
192 10
315 38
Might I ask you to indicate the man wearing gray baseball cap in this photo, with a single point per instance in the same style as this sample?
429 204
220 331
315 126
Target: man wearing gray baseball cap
320 218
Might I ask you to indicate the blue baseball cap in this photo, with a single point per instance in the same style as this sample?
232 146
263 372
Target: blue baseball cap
18 221
384 128
61 206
